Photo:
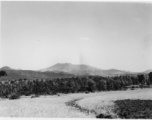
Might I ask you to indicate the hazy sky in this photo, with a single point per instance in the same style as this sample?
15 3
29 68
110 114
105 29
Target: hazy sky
36 35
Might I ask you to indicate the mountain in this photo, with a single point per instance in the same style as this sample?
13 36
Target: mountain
29 74
71 68
62 70
81 69
148 71
5 68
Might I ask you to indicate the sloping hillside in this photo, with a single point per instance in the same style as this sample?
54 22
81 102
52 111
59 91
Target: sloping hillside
82 70
28 74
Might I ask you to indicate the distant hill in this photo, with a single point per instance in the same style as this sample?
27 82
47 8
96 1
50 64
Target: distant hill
62 70
29 74
6 68
82 69
148 71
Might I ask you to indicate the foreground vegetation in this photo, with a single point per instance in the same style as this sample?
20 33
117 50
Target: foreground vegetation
97 104
134 109
13 89
104 104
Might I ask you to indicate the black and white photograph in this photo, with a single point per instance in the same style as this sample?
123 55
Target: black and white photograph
76 59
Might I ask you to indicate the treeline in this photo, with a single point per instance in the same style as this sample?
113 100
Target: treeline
15 88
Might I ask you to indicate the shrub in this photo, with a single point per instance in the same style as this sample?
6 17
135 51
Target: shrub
3 73
134 108
86 92
133 87
104 116
13 96
34 96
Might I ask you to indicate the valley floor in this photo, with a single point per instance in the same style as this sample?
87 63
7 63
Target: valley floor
55 106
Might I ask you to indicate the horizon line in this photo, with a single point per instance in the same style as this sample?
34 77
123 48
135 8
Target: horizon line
76 64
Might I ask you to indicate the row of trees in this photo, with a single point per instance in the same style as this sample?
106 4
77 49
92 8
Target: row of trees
70 85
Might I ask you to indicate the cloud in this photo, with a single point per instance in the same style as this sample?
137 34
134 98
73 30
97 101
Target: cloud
84 38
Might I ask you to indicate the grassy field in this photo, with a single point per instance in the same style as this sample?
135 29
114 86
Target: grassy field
43 106
55 106
104 103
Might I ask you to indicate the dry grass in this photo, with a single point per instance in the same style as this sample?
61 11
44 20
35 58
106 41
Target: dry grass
40 107
54 106
104 102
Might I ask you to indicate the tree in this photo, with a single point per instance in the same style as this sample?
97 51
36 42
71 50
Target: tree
150 77
91 85
141 79
3 73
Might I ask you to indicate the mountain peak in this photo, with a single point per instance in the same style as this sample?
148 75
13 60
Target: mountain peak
62 64
81 69
6 68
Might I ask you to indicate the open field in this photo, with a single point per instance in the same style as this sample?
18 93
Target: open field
104 103
55 106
